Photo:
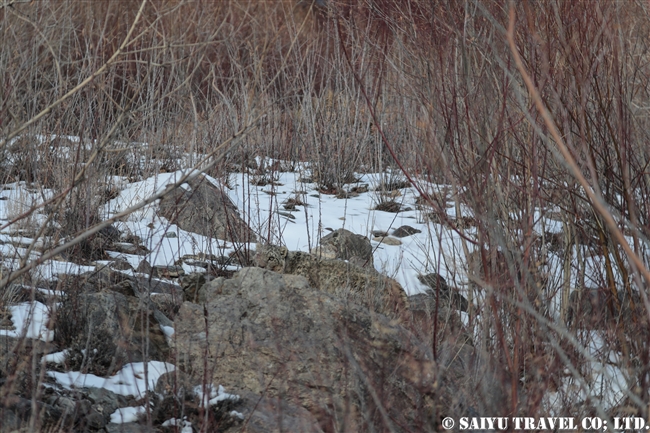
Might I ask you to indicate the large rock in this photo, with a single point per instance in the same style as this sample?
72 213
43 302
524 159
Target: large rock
205 209
107 329
273 335
240 412
346 245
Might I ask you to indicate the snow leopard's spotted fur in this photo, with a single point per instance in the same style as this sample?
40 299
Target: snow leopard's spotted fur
363 286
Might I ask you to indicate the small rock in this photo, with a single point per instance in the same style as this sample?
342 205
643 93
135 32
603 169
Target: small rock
405 231
191 285
121 265
110 232
348 246
144 267
129 248
170 235
205 210
167 271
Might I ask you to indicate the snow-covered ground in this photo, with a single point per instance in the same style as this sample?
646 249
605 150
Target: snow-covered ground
435 249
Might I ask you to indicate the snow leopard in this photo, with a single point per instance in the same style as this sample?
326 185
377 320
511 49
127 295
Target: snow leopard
345 280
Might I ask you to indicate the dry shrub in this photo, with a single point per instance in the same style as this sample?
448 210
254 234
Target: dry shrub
338 81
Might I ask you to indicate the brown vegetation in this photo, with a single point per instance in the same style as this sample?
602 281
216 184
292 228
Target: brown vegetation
530 111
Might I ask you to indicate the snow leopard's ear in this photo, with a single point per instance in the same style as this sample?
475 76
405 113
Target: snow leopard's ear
284 252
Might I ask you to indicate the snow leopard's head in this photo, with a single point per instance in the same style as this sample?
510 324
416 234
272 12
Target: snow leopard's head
271 257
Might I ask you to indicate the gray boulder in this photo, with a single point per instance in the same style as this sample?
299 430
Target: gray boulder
273 335
107 329
346 245
206 210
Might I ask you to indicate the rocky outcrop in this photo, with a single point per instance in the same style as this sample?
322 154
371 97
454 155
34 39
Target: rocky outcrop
346 245
106 329
108 318
273 335
205 209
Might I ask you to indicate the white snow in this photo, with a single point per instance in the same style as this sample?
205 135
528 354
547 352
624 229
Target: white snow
127 414
213 396
129 381
167 330
436 249
235 414
186 426
30 321
56 357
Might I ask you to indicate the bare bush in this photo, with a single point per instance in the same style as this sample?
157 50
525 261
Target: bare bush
532 115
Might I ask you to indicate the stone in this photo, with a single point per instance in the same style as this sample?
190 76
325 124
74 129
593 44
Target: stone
206 210
191 284
405 231
110 233
349 246
450 297
144 268
273 334
104 330
130 248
